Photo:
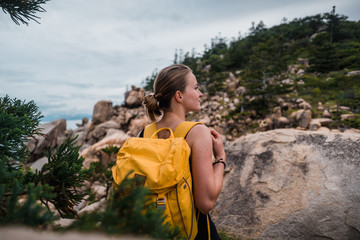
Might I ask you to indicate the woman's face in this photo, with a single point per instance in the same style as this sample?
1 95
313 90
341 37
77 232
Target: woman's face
192 94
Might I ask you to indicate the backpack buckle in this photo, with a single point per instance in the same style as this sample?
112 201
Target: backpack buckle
161 203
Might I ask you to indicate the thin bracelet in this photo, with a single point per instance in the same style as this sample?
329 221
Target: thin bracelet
220 160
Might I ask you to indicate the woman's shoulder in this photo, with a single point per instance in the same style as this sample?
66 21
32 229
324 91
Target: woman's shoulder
199 128
199 131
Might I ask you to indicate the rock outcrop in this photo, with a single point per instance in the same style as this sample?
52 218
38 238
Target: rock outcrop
134 97
103 111
291 184
52 135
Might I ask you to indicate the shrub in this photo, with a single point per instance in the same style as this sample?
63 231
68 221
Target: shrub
19 121
128 211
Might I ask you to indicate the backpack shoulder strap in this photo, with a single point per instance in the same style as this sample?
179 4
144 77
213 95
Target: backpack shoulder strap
150 129
183 128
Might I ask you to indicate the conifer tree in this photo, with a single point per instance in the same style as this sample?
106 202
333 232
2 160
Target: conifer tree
65 174
22 11
18 121
21 189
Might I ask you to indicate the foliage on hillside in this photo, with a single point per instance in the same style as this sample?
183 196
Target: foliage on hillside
261 62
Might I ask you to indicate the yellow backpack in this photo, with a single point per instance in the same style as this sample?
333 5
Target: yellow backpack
164 166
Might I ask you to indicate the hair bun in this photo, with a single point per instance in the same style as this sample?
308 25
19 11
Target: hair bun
157 96
150 102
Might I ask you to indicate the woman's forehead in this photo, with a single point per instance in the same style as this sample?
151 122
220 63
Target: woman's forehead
191 79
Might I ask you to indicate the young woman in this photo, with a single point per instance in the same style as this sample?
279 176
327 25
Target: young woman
176 93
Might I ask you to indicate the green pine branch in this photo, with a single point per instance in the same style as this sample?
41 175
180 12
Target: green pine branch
18 194
64 172
22 11
18 121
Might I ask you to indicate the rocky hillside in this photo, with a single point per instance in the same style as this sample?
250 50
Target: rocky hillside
290 164
112 125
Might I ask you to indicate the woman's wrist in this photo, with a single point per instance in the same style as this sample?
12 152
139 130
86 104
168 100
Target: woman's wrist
221 161
222 156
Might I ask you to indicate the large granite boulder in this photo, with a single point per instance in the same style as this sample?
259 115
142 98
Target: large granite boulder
52 135
103 111
101 129
291 184
136 125
134 97
302 118
81 133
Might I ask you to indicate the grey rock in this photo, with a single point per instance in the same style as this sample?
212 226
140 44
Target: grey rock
101 129
301 72
80 205
63 222
290 184
103 111
322 121
303 118
97 206
38 164
99 190
51 132
135 97
320 107
303 61
136 125
240 91
353 73
347 116
326 114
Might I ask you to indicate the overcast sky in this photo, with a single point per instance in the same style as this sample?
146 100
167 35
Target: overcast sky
85 51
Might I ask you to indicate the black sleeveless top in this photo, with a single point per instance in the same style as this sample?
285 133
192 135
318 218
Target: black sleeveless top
206 227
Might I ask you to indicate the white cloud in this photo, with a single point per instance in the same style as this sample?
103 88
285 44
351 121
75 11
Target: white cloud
85 51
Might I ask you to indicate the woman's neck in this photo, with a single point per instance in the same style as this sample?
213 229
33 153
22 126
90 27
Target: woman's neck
171 119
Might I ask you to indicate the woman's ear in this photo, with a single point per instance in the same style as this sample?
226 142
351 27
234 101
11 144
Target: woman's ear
178 96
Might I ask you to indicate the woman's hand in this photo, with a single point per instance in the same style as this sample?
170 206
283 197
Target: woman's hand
218 145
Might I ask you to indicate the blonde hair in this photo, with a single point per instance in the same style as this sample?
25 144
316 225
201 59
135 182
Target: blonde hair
168 81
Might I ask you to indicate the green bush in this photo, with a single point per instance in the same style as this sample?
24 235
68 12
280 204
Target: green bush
64 172
316 91
128 211
353 123
18 196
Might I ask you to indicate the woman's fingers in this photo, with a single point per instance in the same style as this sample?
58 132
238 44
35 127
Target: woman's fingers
214 133
218 146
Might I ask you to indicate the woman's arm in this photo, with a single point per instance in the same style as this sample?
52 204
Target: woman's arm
207 178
